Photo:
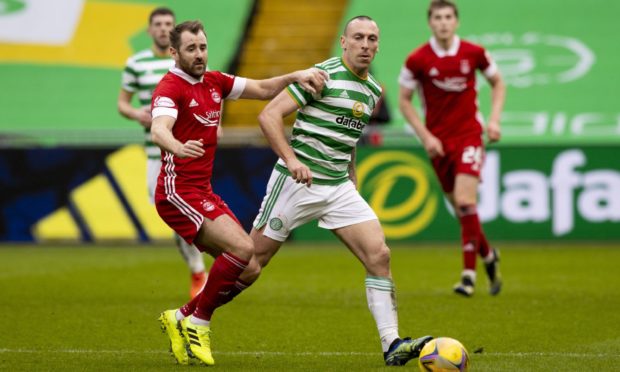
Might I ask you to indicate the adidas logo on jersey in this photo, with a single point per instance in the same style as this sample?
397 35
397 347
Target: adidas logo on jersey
193 103
344 94
433 72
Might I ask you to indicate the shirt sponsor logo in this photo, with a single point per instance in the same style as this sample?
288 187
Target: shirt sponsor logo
350 122
163 102
210 118
454 84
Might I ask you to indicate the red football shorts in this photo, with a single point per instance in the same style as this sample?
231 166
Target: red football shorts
184 212
462 155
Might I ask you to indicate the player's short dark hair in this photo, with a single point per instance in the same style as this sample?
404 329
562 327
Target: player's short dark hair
160 11
192 26
439 4
359 17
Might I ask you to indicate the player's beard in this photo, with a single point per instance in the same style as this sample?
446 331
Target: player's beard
192 69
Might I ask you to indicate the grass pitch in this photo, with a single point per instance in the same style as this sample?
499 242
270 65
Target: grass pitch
95 308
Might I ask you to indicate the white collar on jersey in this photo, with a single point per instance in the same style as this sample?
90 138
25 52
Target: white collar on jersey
182 74
456 43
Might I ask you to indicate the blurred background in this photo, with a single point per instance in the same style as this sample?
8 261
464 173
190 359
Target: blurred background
73 170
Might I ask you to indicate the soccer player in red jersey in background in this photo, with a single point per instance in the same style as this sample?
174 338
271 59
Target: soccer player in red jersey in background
186 110
444 71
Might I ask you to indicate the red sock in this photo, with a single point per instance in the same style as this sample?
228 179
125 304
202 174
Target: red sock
484 245
222 278
238 288
470 235
189 308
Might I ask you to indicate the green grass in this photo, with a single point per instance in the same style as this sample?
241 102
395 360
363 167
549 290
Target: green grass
95 308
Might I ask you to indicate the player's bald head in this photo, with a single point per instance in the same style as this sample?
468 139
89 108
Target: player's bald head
360 18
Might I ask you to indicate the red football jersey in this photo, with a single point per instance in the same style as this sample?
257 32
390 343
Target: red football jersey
196 106
446 80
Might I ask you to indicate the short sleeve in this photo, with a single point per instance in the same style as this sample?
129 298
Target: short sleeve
407 78
166 100
129 80
299 95
486 64
232 86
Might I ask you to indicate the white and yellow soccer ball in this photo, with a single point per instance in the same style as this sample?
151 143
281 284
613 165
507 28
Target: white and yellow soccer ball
443 354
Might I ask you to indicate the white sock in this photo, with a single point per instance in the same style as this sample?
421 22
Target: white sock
191 255
382 304
179 315
490 257
198 321
471 274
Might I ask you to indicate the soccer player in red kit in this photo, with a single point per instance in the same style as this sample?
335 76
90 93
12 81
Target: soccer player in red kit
186 110
444 71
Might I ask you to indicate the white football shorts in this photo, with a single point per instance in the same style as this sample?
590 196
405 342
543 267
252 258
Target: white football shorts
288 204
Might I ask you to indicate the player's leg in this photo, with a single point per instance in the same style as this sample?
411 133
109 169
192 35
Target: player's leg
286 205
465 201
193 258
232 248
264 249
473 239
365 240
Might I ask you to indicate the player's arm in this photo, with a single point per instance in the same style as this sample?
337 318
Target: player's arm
271 121
161 132
142 116
312 80
431 144
498 96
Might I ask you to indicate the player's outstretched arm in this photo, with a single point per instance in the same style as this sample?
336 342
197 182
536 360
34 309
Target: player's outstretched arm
272 124
161 132
312 80
432 145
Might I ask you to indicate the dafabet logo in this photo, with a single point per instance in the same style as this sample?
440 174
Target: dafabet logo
397 185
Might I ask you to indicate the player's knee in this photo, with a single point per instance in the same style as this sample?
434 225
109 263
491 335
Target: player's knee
465 208
379 258
244 248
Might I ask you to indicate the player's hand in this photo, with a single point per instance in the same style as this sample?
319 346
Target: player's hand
144 117
312 80
494 132
299 172
191 149
433 146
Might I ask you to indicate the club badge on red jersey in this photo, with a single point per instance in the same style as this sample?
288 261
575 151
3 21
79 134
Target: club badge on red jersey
215 96
465 67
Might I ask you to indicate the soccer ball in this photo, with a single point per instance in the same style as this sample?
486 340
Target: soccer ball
443 354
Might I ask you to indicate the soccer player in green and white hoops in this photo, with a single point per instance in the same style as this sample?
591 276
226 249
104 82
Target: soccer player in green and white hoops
142 73
315 177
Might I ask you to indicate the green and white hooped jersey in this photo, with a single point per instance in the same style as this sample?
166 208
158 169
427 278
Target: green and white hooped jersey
329 125
142 72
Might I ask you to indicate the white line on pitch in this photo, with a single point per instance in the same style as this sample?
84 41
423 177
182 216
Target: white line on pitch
306 353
